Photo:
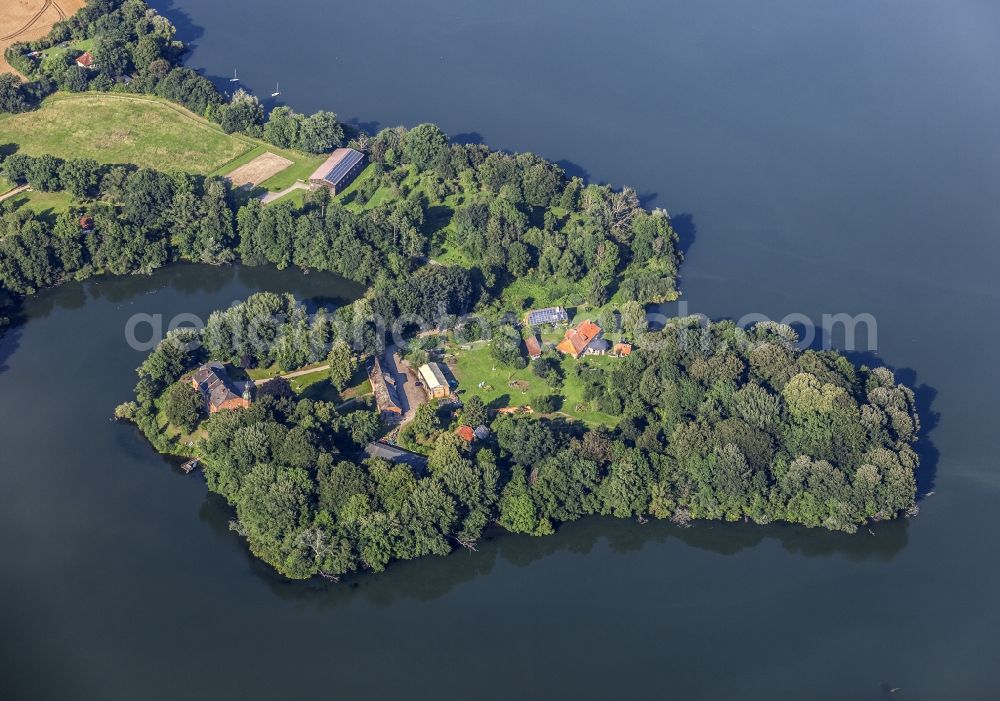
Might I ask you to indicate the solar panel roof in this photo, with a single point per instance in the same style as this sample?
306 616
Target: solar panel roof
550 315
337 173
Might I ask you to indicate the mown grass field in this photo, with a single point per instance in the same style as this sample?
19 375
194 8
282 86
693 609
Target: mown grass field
316 385
57 53
113 128
145 131
475 366
47 204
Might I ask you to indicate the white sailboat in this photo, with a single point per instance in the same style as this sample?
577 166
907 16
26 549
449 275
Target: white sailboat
234 79
277 90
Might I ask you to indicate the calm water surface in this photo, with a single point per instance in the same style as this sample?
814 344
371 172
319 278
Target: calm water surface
820 157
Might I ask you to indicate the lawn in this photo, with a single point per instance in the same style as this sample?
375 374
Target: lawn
475 366
56 53
316 385
347 196
296 197
43 203
529 292
114 128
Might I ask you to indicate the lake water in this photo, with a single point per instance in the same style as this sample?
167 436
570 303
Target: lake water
820 158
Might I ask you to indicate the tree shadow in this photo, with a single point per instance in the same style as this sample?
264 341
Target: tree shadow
574 170
469 138
687 231
429 578
436 218
371 127
499 403
187 30
647 199
10 336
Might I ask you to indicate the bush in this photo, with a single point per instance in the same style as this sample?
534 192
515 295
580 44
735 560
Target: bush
547 403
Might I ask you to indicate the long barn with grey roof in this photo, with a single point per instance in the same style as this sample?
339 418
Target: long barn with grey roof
396 455
339 170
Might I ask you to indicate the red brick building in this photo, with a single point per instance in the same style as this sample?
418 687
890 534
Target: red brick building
218 391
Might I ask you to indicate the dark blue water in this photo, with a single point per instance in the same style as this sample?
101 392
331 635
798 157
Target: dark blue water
820 158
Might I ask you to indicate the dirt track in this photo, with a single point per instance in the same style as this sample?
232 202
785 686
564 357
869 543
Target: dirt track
25 20
258 170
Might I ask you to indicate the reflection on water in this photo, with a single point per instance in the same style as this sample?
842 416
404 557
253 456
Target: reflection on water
432 577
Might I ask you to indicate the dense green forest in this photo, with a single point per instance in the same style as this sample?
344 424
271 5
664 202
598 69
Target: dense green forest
717 423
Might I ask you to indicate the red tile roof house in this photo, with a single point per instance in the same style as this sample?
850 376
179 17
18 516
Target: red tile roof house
584 338
85 60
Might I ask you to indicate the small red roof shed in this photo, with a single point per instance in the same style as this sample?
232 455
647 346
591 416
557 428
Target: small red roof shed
531 344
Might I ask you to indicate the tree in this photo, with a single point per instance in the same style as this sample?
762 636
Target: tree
147 50
243 113
517 511
423 145
80 176
147 198
527 441
184 406
12 98
474 412
273 506
320 133
550 370
518 259
73 79
625 491
633 320
337 483
111 56
426 423
43 173
342 365
15 167
282 128
506 347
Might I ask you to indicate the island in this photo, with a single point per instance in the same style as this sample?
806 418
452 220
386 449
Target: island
498 374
